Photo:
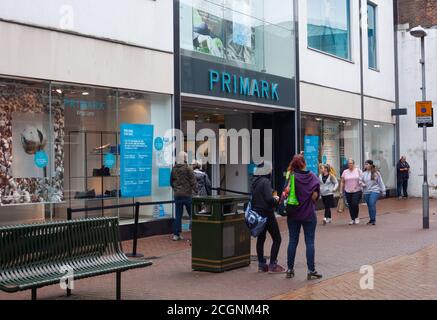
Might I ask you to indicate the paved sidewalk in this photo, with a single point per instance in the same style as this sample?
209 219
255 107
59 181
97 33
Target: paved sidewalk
340 251
403 277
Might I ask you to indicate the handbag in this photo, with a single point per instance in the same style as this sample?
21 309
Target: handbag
254 221
340 205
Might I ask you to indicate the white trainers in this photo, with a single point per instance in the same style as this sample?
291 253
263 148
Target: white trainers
357 221
175 238
329 220
181 238
325 221
352 222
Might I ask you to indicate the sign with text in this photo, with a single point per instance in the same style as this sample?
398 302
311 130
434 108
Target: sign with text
423 112
136 154
311 153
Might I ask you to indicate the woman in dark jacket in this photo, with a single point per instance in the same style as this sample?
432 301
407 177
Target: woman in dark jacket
264 203
307 189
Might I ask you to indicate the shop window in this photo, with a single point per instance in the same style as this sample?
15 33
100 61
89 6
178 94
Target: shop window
372 35
379 147
31 144
330 141
329 27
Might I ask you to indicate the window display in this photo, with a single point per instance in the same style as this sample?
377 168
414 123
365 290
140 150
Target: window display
331 141
29 130
48 126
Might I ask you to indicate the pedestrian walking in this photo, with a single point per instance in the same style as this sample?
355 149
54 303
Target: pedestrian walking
184 184
307 191
328 185
403 174
350 184
264 203
373 188
203 182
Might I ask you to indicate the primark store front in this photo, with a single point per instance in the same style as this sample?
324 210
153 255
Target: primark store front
237 71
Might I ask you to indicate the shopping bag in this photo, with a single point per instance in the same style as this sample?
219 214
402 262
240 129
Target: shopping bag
254 221
340 205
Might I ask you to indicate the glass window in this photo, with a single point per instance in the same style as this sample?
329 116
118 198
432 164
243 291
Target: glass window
331 141
371 34
329 27
379 147
239 33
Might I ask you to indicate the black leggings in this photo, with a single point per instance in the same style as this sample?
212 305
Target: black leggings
273 228
353 200
328 202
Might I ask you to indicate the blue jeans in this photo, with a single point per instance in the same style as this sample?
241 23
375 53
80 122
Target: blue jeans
180 202
309 230
371 199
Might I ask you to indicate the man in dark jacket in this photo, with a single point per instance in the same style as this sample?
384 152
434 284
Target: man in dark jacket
403 174
264 202
184 185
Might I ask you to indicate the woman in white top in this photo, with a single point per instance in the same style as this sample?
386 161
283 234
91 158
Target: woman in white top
328 185
373 185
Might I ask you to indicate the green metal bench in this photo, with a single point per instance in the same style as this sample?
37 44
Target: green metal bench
37 255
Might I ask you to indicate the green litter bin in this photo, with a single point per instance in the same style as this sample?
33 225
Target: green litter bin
220 237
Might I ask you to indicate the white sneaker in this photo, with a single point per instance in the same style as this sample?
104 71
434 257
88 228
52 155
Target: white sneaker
181 238
325 221
357 221
175 237
329 220
352 222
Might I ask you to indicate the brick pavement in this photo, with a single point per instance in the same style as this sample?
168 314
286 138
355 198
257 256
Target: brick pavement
340 249
404 277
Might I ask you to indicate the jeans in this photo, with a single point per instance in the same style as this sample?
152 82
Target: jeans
402 186
309 230
353 199
180 203
371 199
273 228
328 202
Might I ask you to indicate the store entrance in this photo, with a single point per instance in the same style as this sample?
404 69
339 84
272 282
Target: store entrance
238 177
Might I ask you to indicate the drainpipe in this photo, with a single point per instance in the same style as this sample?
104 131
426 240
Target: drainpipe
297 122
396 61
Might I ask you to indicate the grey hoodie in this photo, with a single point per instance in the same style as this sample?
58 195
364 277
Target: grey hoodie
329 186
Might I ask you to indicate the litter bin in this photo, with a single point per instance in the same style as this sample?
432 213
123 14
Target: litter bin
219 235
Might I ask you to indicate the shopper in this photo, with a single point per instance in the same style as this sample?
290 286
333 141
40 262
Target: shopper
307 190
350 184
264 202
328 185
203 182
403 174
373 187
184 185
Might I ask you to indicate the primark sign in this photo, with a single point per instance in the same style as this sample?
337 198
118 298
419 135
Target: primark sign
243 86
209 79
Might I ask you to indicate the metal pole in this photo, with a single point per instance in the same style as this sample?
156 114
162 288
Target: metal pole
425 188
134 253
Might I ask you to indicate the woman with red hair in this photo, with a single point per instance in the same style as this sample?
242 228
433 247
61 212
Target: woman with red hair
307 191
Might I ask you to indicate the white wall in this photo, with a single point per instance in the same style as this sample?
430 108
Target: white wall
324 70
409 91
38 53
143 22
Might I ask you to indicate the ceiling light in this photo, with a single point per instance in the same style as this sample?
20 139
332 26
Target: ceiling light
59 91
319 119
85 93
235 110
365 124
377 126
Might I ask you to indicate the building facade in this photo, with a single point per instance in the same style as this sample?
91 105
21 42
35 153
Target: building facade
347 81
71 74
411 14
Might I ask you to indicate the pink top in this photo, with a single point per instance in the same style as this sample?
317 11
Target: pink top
352 180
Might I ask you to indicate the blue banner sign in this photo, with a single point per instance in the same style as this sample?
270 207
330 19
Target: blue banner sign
311 153
136 154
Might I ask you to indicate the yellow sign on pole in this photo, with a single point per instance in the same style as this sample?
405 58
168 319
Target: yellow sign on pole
423 112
